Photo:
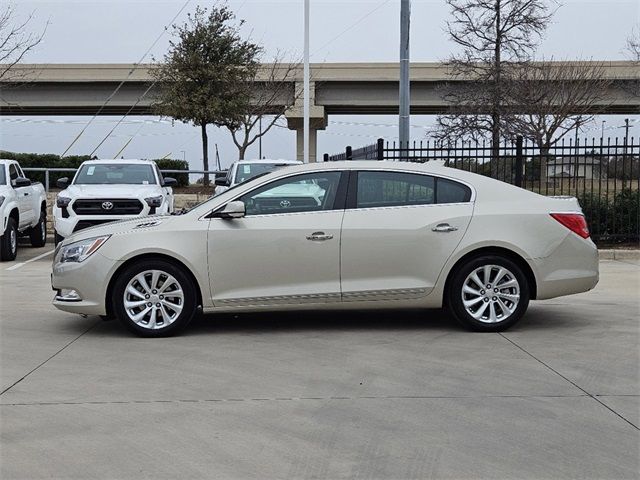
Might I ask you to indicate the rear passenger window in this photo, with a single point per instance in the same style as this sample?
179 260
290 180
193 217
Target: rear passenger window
449 191
391 189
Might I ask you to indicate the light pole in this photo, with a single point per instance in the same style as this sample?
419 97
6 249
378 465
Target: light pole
602 134
306 99
405 17
184 155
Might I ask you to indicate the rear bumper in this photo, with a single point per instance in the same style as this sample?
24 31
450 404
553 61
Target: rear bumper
571 268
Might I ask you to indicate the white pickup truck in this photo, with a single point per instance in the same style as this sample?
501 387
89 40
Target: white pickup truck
23 209
244 170
108 190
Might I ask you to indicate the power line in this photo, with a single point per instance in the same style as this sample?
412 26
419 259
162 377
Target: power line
357 22
117 89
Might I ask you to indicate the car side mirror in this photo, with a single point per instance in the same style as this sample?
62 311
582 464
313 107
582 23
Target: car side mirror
231 210
21 182
62 182
222 181
169 182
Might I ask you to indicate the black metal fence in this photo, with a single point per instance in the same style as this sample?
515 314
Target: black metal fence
604 174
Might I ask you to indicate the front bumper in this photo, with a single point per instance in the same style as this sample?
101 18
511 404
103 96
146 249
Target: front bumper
89 279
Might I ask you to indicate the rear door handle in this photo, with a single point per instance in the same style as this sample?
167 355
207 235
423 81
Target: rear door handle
444 227
319 237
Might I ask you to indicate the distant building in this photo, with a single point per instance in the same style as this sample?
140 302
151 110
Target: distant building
587 168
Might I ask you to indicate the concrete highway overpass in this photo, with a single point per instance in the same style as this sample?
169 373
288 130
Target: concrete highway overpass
337 88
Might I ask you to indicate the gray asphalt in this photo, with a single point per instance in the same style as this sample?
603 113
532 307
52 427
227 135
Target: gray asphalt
367 395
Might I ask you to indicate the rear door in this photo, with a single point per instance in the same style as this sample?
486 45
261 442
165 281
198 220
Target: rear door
398 231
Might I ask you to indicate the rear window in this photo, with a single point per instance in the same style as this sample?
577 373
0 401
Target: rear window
3 175
115 174
449 191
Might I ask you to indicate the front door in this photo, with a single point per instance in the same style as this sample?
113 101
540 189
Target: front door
399 229
286 249
24 198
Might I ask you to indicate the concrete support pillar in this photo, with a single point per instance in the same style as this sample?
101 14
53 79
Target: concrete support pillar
317 121
313 144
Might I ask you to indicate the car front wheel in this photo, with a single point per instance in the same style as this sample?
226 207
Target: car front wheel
488 294
154 298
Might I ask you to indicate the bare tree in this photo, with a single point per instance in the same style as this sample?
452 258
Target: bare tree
15 40
633 45
548 100
632 51
272 91
494 36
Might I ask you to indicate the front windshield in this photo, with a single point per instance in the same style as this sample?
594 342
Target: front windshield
3 175
115 174
246 171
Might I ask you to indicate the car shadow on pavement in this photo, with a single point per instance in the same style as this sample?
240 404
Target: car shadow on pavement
360 320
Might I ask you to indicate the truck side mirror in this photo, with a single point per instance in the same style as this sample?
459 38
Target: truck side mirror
222 181
62 182
21 182
169 182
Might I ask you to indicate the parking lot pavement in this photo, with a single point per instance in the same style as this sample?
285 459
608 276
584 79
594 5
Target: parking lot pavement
366 395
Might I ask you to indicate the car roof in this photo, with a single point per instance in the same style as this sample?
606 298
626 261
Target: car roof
271 160
112 161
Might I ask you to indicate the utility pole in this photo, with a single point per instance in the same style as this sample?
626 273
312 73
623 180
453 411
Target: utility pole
404 101
306 99
602 134
260 137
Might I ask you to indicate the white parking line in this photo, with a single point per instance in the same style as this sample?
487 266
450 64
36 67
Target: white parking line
18 265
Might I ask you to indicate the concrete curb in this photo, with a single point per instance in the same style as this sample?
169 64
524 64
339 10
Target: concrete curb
613 254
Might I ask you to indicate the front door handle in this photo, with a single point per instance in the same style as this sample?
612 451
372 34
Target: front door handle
444 227
319 237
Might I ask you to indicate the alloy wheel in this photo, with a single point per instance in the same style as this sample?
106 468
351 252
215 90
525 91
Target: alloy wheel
153 299
491 293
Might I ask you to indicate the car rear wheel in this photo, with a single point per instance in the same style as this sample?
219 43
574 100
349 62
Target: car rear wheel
154 298
38 234
9 241
488 294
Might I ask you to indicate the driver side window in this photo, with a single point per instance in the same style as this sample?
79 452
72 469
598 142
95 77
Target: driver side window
309 192
13 173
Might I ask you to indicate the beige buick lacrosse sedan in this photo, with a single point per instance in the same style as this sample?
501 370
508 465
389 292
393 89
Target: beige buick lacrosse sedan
344 235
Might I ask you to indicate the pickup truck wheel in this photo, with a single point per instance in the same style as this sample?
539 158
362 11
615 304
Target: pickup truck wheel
154 298
38 234
9 241
57 238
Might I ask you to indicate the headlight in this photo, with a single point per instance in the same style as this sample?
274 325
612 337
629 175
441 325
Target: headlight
154 201
62 202
79 251
1 200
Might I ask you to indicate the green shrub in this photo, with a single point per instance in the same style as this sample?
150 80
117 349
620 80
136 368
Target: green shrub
172 164
45 160
612 219
50 160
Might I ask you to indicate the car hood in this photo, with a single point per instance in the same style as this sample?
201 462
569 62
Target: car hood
110 191
120 227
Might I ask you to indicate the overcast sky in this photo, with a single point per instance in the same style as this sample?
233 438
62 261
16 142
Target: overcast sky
120 31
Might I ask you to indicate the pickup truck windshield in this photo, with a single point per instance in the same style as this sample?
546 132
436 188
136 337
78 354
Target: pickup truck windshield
3 176
246 171
116 174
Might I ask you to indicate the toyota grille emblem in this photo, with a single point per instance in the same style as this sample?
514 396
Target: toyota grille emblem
285 203
107 205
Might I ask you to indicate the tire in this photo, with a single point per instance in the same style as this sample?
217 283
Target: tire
9 241
491 309
57 238
38 234
169 313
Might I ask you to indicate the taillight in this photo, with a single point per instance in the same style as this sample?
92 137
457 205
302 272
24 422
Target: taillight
574 222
